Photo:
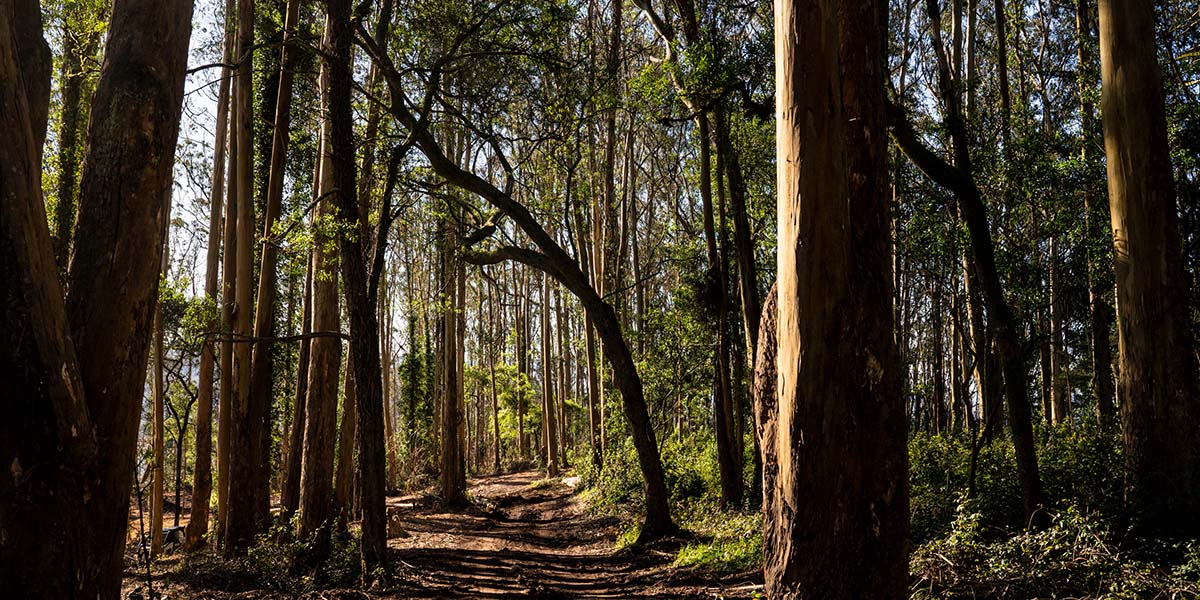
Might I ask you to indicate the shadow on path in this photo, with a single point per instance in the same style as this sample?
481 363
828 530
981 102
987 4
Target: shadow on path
519 541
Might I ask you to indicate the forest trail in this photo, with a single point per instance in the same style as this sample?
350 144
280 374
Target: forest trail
526 538
522 537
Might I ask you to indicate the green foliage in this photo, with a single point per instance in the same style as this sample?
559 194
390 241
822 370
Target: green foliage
727 541
1080 466
617 484
939 469
1084 466
690 464
730 541
278 561
1074 557
964 547
416 412
197 321
174 298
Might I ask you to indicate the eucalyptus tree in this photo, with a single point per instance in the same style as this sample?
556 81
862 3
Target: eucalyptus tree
1158 375
241 522
261 359
202 484
836 519
75 362
360 273
320 422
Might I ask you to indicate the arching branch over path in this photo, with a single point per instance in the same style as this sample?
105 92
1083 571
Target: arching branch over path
553 260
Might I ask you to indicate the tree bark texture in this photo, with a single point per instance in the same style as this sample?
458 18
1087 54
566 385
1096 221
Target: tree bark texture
839 519
1158 380
68 436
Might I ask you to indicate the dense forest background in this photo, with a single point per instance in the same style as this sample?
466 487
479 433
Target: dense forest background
412 242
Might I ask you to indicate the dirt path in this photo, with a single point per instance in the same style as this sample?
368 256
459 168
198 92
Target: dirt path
525 542
522 538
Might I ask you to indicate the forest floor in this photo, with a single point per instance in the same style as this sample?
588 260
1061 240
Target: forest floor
523 537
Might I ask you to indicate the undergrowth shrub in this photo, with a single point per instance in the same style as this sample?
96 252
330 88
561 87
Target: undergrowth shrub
728 541
278 561
1079 466
1073 558
939 468
960 545
1084 466
725 540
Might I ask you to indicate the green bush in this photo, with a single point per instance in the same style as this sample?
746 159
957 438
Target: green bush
691 468
729 541
1084 466
963 546
1074 557
618 483
1079 466
939 472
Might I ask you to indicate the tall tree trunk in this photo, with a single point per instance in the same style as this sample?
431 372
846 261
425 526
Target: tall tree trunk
159 393
123 200
732 358
1158 368
316 489
1000 9
259 401
743 240
157 397
595 438
34 63
1060 398
360 298
387 368
245 431
286 419
550 424
74 371
493 354
520 322
941 416
460 346
728 461
564 377
366 180
958 399
202 483
290 498
1044 367
80 41
453 482
343 481
839 528
980 345
1095 211
228 305
180 450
